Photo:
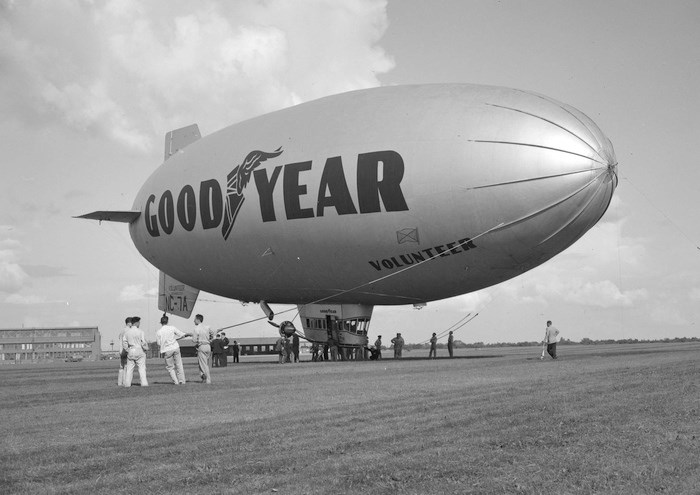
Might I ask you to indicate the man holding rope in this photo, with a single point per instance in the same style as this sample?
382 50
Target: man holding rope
551 337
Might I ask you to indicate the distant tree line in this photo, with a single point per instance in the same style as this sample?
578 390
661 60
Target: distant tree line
584 341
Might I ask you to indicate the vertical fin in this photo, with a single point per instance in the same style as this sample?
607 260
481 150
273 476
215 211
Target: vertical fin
174 297
180 138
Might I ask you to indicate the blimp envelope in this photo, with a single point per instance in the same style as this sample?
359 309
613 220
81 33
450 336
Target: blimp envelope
392 195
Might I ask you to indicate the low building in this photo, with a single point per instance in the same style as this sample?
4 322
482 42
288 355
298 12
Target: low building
248 346
254 346
45 344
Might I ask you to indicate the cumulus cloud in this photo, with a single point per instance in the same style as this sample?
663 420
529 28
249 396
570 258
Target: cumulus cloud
604 294
24 300
472 302
12 276
9 244
591 271
133 70
136 293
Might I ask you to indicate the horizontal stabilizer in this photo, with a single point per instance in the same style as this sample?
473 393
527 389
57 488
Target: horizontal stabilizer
180 138
112 216
175 297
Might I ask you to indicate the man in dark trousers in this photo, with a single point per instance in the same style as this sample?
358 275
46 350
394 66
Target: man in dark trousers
216 350
433 346
295 347
398 345
236 350
551 337
378 346
223 361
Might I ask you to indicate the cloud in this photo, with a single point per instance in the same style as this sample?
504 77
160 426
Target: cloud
694 294
25 300
604 294
12 276
133 70
41 271
9 244
136 293
472 302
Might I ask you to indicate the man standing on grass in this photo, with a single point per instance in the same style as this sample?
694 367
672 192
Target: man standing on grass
551 337
224 350
451 344
398 345
167 337
202 337
216 351
295 347
236 350
433 346
135 345
378 346
122 353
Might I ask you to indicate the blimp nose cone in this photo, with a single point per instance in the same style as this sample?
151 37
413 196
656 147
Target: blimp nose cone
588 166
555 166
609 154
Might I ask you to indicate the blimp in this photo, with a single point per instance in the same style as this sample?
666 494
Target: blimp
396 195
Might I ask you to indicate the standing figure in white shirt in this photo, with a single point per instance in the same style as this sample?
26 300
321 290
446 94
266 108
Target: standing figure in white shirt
167 337
122 353
551 337
202 337
135 345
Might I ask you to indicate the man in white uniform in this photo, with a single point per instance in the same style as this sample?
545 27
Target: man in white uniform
202 337
135 345
122 353
551 337
167 337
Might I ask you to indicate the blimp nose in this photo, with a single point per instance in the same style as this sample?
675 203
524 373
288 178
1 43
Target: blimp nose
609 155
587 194
558 168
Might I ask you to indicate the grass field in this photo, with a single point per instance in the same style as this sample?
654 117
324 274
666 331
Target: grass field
602 419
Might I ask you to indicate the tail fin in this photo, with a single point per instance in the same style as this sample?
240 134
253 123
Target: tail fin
180 138
174 297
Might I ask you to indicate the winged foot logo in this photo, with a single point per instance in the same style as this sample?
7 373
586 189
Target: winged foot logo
378 180
236 182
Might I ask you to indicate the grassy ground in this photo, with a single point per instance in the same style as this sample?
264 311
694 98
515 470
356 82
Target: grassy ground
602 419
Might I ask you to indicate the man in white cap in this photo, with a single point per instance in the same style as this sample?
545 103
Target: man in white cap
135 345
202 337
551 337
122 353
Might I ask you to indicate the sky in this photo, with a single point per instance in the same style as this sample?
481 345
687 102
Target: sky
88 90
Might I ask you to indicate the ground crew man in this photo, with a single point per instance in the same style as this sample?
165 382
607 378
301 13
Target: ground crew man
450 344
122 353
378 346
551 337
236 351
167 337
217 350
135 345
202 337
398 345
223 361
433 346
